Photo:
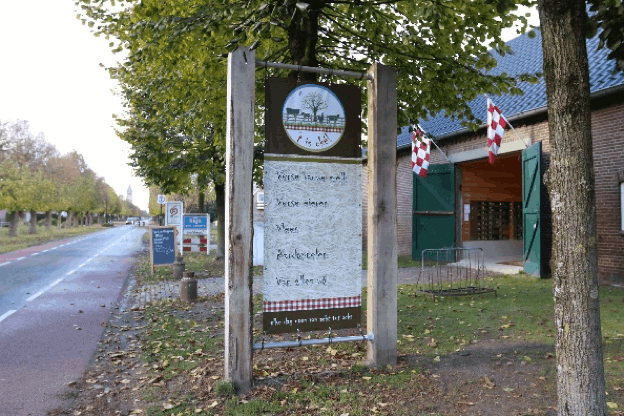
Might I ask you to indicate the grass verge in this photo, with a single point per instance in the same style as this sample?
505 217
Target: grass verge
24 240
203 265
183 345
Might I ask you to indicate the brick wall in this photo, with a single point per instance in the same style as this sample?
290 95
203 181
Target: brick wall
608 152
608 141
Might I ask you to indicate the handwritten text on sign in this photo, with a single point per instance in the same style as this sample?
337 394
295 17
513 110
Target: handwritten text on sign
313 243
163 246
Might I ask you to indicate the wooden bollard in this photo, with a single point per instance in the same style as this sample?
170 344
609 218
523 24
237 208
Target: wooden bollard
188 287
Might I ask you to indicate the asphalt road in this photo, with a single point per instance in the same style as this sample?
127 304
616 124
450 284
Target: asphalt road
51 313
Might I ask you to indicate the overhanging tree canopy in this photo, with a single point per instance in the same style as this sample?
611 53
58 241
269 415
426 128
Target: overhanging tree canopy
174 80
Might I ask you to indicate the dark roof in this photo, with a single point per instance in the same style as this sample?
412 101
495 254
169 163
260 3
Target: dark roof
526 58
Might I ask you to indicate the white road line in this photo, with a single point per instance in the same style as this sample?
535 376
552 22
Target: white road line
71 272
5 263
44 251
34 254
7 314
42 291
20 258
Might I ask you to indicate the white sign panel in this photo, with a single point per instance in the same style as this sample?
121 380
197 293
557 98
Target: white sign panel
196 224
313 244
173 216
173 213
161 199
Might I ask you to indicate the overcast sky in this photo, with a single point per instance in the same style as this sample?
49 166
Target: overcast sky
50 76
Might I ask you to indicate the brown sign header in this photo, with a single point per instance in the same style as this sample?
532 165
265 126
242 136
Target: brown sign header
312 118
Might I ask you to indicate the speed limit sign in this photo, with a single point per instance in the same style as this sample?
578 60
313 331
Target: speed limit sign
161 199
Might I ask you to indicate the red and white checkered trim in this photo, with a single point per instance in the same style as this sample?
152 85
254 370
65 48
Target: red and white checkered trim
314 128
421 151
496 129
308 304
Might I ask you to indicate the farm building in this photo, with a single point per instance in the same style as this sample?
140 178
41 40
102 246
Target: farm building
503 208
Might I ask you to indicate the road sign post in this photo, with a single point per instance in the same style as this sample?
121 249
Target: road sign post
161 200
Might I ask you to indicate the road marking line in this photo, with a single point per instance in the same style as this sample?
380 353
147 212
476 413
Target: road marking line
34 254
5 263
20 258
6 315
71 272
44 251
45 289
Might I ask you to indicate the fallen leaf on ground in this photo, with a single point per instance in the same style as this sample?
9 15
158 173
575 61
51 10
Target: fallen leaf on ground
488 383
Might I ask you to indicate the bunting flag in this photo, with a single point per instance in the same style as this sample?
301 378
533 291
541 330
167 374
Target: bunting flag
421 150
496 129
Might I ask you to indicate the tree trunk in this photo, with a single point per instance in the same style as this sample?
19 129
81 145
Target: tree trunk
570 182
14 215
201 201
33 222
220 196
68 221
302 39
48 220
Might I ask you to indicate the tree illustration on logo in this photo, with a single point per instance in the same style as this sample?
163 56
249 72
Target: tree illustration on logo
315 102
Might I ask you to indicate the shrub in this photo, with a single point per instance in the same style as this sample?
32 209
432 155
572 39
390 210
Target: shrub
224 389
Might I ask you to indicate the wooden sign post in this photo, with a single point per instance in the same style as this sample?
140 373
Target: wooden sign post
382 217
238 217
381 318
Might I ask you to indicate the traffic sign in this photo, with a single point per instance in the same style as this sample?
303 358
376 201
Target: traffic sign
161 199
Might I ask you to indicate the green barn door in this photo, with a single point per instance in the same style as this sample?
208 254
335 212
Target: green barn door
531 204
433 217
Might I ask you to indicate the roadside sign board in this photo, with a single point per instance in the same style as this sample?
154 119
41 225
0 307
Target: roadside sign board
196 224
313 213
161 199
173 216
173 213
162 246
196 232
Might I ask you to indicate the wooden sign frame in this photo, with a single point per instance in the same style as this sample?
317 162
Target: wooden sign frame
151 246
381 215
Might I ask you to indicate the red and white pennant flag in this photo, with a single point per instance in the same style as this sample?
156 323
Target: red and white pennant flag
421 150
496 128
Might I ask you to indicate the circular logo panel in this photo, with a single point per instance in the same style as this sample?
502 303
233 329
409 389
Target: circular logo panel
313 117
